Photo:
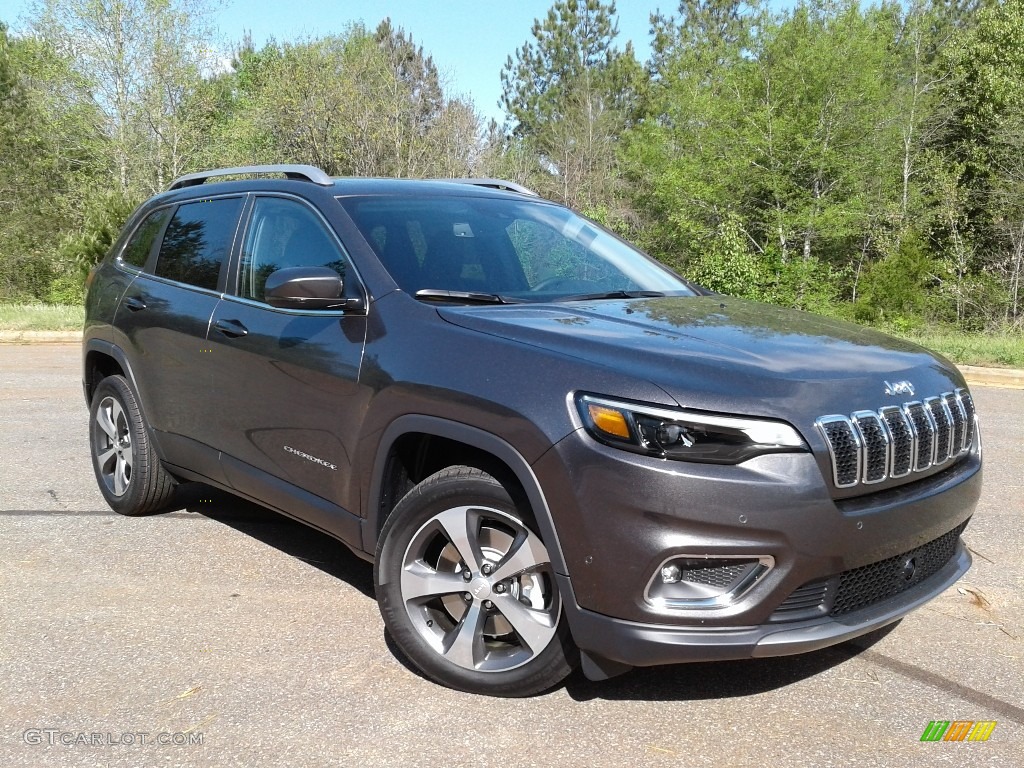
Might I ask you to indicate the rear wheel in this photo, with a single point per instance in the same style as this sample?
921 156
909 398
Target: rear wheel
467 591
128 472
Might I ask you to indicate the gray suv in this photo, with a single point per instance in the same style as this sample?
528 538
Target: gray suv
555 451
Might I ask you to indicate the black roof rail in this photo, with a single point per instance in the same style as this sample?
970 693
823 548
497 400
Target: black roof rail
301 172
509 186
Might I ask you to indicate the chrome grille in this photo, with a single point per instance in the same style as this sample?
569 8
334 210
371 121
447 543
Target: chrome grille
871 446
959 420
968 403
845 447
876 446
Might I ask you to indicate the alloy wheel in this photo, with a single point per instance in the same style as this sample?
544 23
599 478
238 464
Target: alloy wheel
477 586
112 444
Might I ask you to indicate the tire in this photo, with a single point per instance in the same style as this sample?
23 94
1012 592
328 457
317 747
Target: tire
128 471
467 591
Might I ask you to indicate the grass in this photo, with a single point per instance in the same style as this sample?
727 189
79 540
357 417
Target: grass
989 349
41 317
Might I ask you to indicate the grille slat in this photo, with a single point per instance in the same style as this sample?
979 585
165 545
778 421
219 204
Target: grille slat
845 447
924 428
968 403
875 440
804 602
903 442
943 433
872 446
959 417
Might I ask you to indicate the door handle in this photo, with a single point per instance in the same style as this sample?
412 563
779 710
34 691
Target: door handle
134 303
231 328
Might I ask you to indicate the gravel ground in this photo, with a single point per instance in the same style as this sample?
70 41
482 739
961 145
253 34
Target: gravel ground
243 639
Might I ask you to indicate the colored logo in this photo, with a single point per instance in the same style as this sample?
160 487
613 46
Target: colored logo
958 730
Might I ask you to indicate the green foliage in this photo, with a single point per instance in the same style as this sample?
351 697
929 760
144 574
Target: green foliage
359 103
825 140
41 317
569 93
727 264
105 215
1000 346
49 135
105 103
985 93
893 289
866 161
809 284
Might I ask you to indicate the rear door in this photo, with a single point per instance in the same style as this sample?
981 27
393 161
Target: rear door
164 316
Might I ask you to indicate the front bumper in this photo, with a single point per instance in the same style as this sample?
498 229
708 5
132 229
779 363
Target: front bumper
620 516
639 645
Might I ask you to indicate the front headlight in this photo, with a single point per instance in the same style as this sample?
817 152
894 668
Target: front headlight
684 435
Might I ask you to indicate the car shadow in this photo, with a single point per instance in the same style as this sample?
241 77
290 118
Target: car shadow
278 531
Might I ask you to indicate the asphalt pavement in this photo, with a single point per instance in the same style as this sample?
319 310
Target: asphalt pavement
223 635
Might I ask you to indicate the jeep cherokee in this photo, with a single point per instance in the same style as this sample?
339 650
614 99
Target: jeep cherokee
555 450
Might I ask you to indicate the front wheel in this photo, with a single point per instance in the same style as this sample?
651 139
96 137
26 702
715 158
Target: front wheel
467 591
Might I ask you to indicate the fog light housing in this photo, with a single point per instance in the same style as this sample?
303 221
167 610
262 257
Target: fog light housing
701 581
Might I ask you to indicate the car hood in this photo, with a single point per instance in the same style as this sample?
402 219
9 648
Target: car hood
725 354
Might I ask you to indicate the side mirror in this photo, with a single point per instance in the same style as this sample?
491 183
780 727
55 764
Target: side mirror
305 288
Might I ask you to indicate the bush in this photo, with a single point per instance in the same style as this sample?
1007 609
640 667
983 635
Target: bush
82 250
894 289
727 264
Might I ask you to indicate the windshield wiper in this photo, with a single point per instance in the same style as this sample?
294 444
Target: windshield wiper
613 295
462 297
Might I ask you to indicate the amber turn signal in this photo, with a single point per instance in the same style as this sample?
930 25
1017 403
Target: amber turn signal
609 420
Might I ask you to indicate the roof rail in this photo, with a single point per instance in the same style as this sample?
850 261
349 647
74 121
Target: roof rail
509 186
301 172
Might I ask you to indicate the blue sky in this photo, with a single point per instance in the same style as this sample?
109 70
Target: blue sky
469 39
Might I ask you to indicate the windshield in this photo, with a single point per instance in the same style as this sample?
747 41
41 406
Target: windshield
518 250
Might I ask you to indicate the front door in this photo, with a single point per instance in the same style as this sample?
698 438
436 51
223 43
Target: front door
287 380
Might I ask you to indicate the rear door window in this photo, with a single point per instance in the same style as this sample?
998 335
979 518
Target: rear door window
198 240
136 252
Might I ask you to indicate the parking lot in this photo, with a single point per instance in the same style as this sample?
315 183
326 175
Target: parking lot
223 635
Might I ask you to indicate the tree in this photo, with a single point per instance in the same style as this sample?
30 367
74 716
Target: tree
689 158
767 137
986 97
359 103
50 149
142 60
569 94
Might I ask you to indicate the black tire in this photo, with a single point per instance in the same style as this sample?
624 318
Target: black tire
128 471
500 631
